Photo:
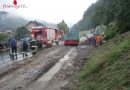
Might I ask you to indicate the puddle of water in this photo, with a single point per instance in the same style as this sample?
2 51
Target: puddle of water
6 60
41 83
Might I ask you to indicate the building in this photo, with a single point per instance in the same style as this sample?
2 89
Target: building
33 24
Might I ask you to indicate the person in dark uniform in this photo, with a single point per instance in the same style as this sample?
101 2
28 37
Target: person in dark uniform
25 47
93 42
13 45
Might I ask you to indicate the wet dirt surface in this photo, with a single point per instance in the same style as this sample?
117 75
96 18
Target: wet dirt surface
49 69
63 79
42 82
21 74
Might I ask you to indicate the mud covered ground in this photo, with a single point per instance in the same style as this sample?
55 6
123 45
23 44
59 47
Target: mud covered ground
62 80
49 69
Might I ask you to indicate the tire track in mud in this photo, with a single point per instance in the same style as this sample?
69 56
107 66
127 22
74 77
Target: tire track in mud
22 77
64 78
43 81
18 64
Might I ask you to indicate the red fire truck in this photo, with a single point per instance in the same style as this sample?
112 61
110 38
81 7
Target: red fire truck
46 36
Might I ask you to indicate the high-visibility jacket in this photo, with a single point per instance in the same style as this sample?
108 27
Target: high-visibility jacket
98 38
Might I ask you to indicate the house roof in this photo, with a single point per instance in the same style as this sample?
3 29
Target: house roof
35 23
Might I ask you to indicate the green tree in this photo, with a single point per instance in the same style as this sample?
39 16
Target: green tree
63 26
111 30
21 32
123 16
106 12
3 37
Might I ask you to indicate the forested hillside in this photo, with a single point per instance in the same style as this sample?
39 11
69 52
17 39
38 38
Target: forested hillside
10 21
106 12
108 66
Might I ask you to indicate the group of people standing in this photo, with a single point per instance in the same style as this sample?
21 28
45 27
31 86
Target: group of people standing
96 40
13 47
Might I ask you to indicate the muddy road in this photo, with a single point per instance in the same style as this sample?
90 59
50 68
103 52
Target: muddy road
49 69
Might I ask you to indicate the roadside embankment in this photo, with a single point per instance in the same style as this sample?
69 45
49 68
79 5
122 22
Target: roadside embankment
108 67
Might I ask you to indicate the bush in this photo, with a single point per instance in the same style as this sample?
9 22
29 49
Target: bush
3 37
111 30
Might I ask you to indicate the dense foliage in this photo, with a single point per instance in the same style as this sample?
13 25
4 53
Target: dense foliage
21 32
111 30
63 26
3 37
104 12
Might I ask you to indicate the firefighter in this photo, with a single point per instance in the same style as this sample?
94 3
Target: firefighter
25 47
13 45
98 40
93 41
39 39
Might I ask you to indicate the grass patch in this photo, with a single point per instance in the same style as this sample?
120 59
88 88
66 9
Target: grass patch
109 67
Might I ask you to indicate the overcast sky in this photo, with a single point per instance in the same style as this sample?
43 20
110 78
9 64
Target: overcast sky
50 10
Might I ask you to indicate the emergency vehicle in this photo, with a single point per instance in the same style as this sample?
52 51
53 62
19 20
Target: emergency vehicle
46 36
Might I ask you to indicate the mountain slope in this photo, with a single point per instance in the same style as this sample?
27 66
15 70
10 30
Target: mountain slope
109 66
104 12
10 21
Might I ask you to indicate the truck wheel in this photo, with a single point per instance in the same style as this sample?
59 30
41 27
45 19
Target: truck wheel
49 45
76 44
40 45
57 43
